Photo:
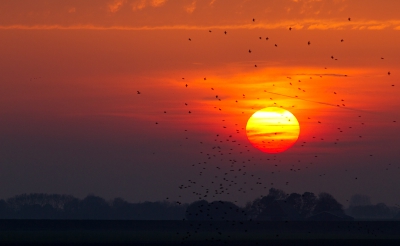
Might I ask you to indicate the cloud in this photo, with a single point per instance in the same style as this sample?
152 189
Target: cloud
115 5
378 27
141 4
190 8
324 74
138 5
157 3
205 14
319 102
306 25
227 14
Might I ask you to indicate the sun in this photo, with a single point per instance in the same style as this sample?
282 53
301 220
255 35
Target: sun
272 130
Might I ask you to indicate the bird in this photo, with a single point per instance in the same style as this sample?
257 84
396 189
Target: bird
249 51
309 43
349 19
389 73
190 39
225 32
290 28
254 20
276 45
138 92
341 40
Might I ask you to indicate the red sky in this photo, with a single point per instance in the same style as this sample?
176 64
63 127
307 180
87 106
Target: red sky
72 121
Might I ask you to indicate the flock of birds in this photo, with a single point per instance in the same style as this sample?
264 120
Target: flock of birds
225 172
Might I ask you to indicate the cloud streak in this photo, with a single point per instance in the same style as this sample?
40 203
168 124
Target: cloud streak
307 100
299 25
194 14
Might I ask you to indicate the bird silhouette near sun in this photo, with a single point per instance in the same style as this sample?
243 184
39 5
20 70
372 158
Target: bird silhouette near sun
272 130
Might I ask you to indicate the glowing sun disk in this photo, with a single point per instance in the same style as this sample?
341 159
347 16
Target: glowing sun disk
272 130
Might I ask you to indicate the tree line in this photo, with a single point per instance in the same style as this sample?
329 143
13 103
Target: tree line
276 205
55 206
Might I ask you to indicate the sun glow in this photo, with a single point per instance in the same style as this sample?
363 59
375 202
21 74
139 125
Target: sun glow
272 130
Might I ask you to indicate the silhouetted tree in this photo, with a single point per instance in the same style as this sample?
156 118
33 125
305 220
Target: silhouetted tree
158 211
279 210
397 214
217 211
327 203
295 201
93 208
121 210
5 210
36 211
71 209
55 200
255 208
38 205
309 202
198 211
277 194
278 205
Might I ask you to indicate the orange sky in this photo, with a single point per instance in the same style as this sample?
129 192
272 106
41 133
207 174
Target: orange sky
71 117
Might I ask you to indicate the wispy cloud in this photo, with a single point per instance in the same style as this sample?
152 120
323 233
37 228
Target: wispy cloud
138 5
324 103
323 74
157 3
141 4
302 14
301 25
115 5
191 7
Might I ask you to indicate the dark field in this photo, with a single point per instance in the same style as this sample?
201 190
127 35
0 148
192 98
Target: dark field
45 232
